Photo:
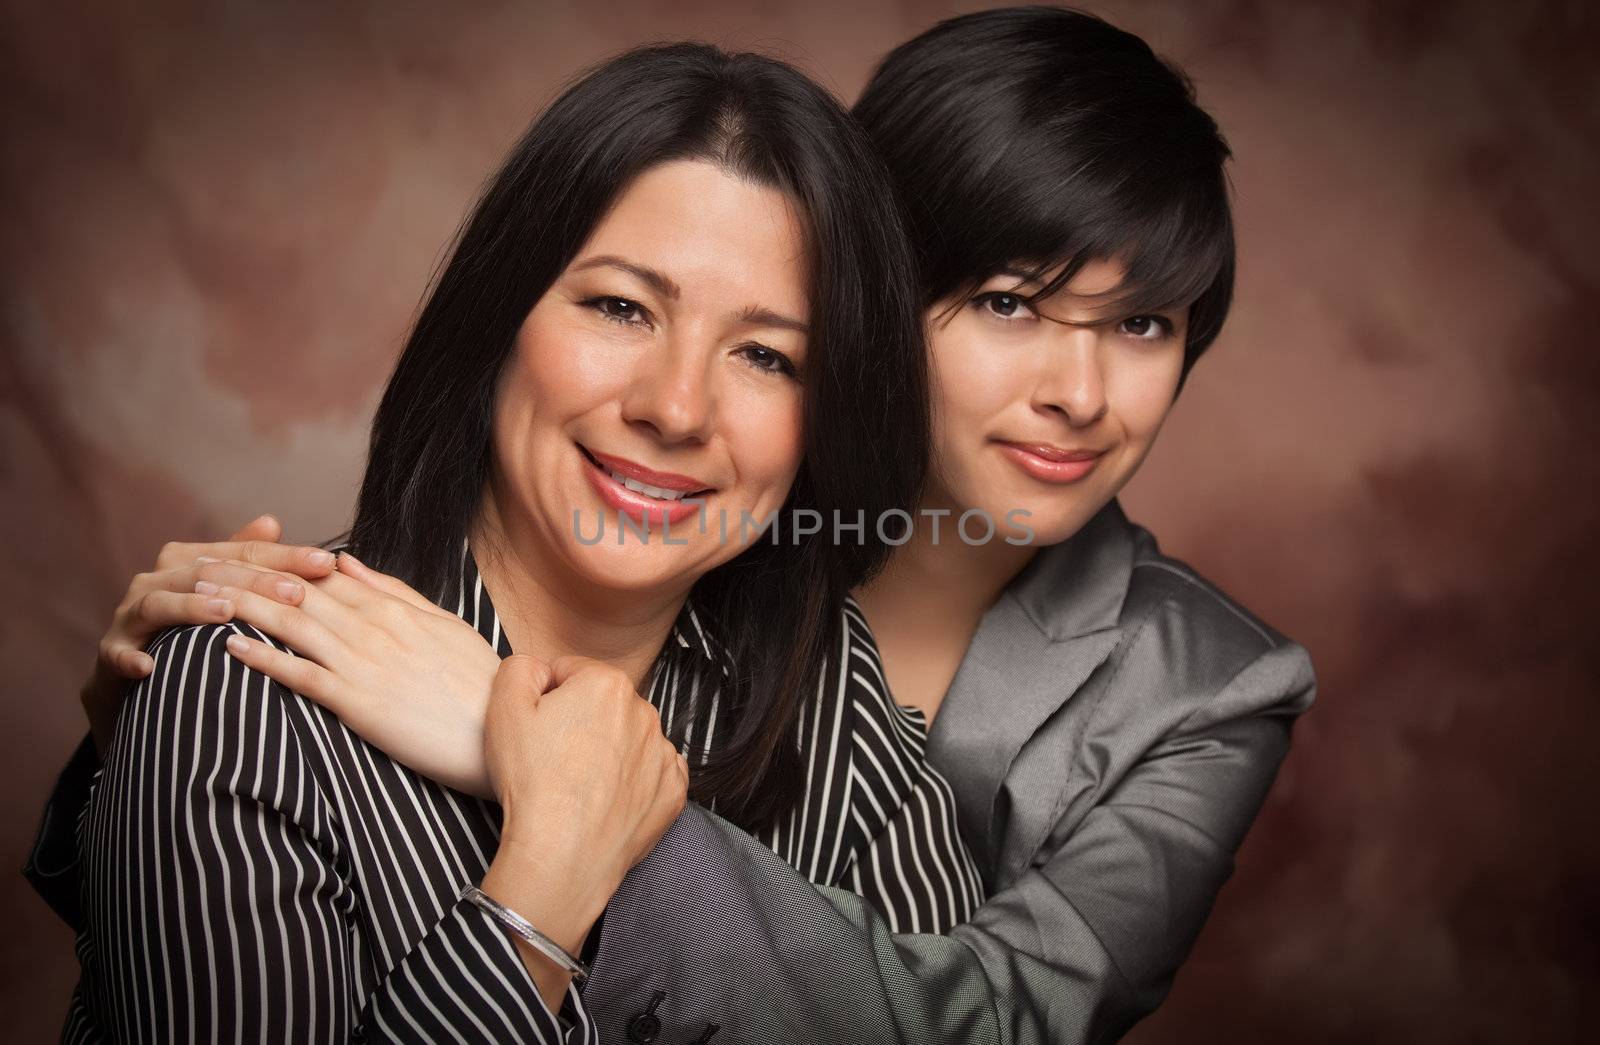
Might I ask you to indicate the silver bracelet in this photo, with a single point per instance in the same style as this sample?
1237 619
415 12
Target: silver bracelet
521 926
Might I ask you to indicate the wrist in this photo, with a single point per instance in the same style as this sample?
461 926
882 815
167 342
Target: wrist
553 892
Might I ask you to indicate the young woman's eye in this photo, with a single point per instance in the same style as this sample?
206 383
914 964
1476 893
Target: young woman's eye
763 358
619 310
1146 328
1002 305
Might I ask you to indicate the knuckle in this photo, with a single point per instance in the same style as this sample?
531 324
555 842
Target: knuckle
265 583
169 555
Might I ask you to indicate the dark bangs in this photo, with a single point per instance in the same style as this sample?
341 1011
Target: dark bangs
1042 139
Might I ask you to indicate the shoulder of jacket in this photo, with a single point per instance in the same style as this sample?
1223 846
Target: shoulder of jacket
1208 635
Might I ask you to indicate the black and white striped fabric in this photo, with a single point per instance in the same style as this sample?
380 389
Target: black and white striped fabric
251 870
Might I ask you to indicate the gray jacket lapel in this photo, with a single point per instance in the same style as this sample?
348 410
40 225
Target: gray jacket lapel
1035 647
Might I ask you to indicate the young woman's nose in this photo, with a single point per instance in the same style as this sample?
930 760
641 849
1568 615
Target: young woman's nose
671 392
1071 382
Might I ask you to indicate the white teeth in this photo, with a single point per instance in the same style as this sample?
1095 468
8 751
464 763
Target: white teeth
645 488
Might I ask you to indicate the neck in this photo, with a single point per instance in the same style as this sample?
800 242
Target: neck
547 611
923 650
965 579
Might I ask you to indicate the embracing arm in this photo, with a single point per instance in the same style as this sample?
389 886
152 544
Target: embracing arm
218 891
1076 949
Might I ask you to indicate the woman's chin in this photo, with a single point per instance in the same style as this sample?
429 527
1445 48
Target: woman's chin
639 566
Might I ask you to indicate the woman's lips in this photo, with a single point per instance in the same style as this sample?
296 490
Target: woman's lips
1051 464
653 506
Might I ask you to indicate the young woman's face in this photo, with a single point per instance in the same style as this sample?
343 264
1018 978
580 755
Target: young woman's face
665 362
1046 407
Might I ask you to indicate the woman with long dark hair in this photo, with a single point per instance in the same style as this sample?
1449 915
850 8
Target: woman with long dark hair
687 283
1111 721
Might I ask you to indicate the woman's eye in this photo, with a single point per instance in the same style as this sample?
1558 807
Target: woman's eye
1146 328
620 310
1002 305
763 358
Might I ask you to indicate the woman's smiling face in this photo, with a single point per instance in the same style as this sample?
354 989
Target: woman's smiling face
1046 406
665 362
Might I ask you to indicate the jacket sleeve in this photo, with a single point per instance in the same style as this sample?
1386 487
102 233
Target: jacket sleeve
218 899
1075 950
52 865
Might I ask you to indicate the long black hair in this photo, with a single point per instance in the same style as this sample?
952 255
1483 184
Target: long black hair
1046 137
774 608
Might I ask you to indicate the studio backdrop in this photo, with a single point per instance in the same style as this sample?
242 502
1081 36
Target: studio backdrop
219 220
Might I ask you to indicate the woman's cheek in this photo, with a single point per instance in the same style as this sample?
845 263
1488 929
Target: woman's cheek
1149 396
766 442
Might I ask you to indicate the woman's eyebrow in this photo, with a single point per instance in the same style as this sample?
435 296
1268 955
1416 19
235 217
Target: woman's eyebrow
755 315
657 281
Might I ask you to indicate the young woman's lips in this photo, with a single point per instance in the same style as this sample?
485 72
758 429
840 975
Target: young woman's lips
1051 464
651 506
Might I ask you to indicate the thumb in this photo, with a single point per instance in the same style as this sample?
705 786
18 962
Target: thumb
261 528
522 675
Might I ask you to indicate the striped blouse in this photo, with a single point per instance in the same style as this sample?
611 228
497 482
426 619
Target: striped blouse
251 870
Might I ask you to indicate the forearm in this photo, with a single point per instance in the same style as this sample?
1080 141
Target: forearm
1079 946
736 937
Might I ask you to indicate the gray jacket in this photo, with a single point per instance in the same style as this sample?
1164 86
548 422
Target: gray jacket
1110 735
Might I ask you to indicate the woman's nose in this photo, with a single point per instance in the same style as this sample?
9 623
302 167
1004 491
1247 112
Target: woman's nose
671 392
1072 383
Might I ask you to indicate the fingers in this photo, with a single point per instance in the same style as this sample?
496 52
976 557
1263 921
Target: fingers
261 528
163 609
521 675
286 558
124 660
122 648
564 668
305 677
286 588
353 619
290 625
310 563
132 663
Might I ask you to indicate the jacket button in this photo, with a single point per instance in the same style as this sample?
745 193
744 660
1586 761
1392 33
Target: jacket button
645 1027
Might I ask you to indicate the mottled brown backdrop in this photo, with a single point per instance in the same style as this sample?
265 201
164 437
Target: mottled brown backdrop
218 219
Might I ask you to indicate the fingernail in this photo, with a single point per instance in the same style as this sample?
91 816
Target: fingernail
289 590
206 558
222 607
320 559
206 588
237 644
145 663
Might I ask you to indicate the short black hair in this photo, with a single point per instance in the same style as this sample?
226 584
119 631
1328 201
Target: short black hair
1048 138
774 608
